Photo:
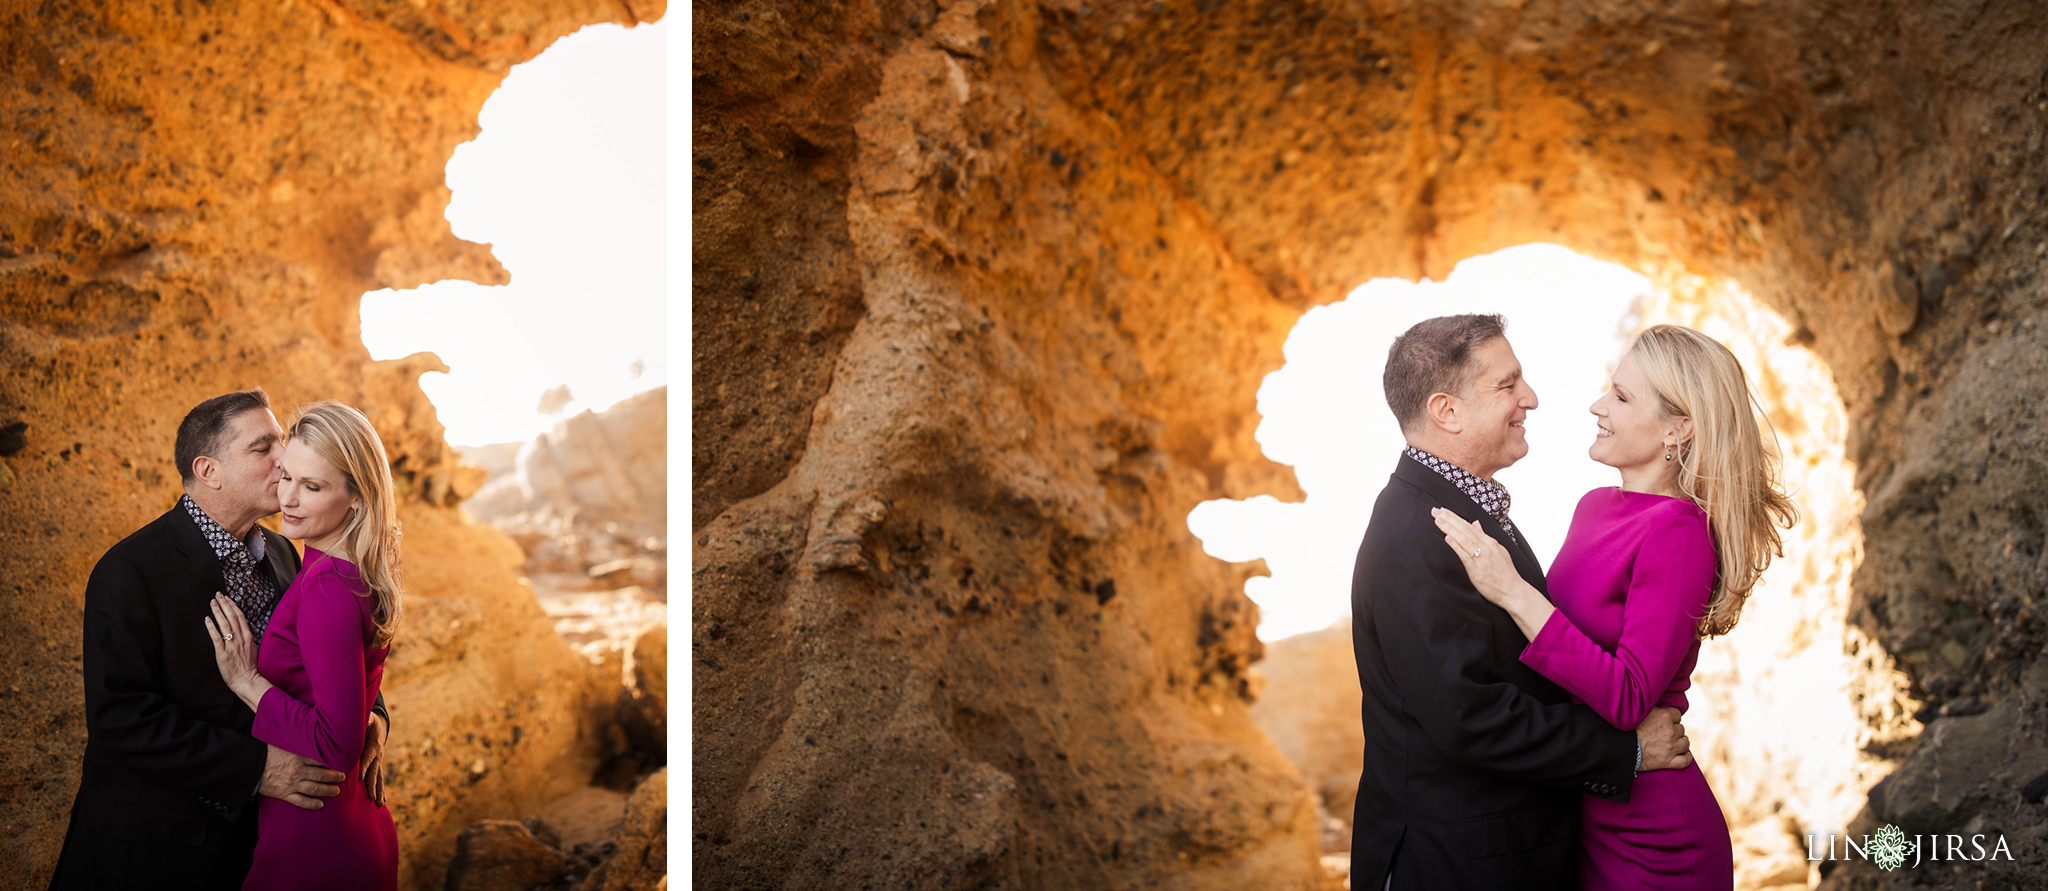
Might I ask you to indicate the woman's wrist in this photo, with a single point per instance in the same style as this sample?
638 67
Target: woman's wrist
251 690
1530 609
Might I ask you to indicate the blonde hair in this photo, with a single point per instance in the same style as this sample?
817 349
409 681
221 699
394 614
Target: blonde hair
344 437
1730 466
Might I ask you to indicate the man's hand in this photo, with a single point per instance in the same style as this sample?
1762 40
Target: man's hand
1664 744
301 781
371 771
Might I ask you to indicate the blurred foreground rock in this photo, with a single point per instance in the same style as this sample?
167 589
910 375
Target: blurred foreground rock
641 861
590 840
643 701
502 855
1308 703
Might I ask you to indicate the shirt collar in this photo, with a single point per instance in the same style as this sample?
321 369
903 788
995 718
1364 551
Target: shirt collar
1491 496
222 541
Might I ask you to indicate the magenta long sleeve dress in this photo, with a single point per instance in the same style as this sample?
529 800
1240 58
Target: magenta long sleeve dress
316 651
1630 583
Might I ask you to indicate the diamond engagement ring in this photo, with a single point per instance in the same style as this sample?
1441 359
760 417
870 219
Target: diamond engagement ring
232 637
1475 552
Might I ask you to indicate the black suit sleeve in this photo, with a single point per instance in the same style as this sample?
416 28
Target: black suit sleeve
126 710
1440 651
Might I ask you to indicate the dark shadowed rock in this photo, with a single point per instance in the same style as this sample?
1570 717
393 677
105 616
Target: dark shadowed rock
502 855
643 703
640 863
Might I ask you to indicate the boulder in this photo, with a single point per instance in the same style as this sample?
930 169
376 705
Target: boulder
502 855
641 861
584 825
643 703
592 489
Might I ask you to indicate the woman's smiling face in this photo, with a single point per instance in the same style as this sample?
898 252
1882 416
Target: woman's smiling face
1632 430
314 496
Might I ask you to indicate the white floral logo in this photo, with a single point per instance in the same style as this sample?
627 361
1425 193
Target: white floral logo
1888 848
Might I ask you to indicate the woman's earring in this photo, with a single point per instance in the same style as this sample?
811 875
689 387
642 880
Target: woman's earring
1667 454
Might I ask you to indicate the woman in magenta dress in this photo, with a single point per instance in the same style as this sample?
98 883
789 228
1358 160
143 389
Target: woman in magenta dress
1647 571
322 656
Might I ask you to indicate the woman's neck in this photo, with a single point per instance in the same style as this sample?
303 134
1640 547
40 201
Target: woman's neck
329 544
1659 478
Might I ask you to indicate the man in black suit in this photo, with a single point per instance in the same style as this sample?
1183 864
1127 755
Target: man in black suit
167 796
1473 762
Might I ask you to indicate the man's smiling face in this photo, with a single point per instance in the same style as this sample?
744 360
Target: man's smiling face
1491 413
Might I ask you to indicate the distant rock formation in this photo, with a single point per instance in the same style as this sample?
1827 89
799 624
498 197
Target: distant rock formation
588 497
587 501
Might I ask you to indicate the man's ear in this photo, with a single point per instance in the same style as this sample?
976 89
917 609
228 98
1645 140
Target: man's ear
1442 409
206 471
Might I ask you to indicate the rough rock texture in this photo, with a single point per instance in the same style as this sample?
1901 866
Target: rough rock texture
584 825
641 861
988 285
193 197
590 840
502 855
643 697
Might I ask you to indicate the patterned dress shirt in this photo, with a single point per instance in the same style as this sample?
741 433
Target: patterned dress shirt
1491 497
251 590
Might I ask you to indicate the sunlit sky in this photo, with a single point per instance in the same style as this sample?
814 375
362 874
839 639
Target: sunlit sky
1325 414
568 183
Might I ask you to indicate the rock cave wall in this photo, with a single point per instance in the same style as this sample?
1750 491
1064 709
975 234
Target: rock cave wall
984 291
193 198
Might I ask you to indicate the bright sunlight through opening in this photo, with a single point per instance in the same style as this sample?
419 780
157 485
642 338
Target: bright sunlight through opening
568 184
1325 414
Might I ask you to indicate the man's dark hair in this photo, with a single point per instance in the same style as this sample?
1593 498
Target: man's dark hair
207 424
1434 357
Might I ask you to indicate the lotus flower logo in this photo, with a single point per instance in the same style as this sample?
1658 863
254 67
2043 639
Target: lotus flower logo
1888 848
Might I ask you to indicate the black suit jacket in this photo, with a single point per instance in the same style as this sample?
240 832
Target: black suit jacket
166 797
1474 763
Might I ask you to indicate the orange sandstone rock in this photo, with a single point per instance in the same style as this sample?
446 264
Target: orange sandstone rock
192 200
984 291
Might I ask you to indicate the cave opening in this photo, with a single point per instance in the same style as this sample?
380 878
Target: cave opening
977 329
566 181
553 383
